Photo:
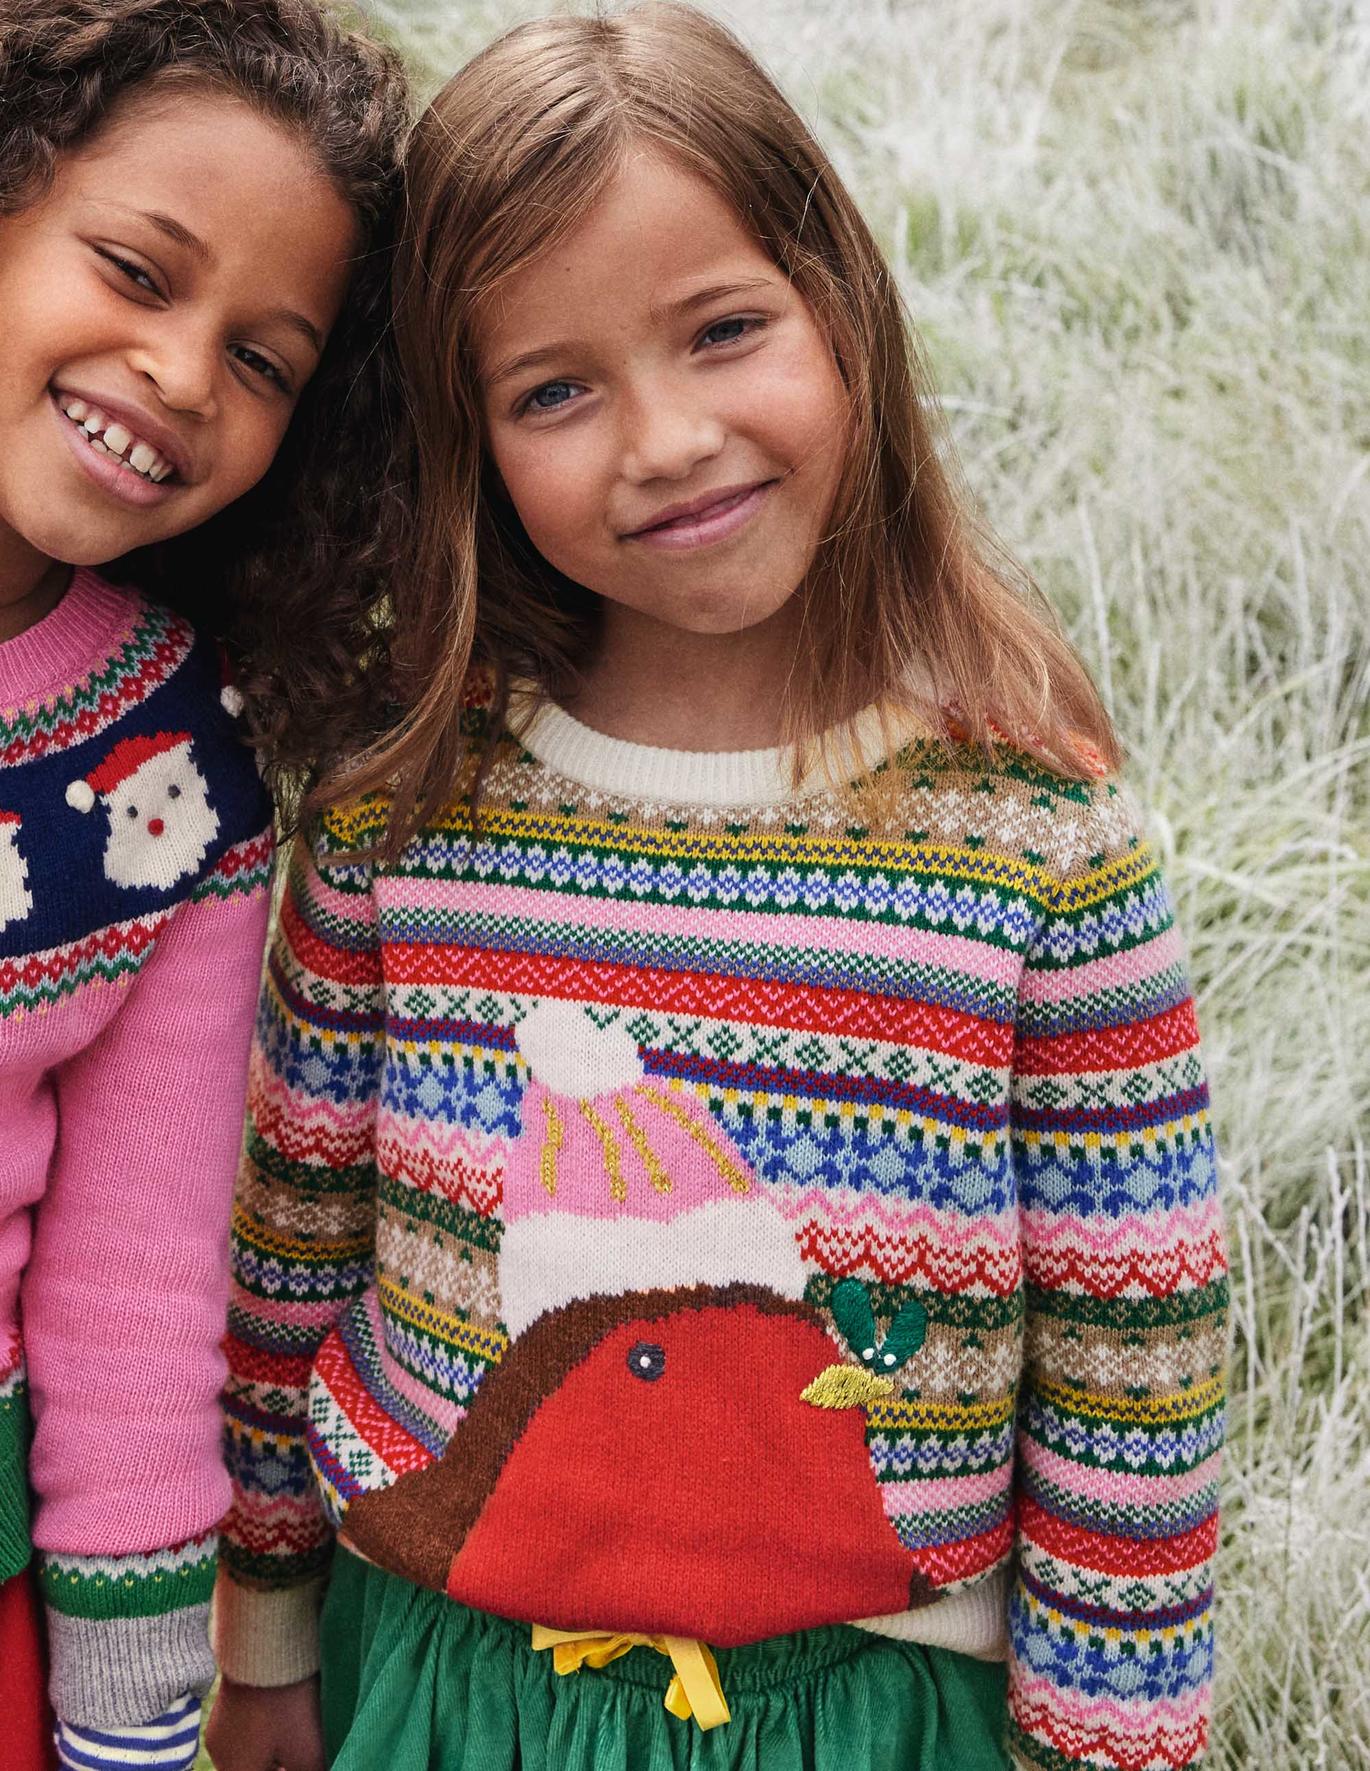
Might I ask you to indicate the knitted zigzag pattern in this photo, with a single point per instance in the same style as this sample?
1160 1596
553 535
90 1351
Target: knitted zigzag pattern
132 824
900 1078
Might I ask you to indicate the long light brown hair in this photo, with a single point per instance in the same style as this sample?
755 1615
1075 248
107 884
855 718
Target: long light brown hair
510 157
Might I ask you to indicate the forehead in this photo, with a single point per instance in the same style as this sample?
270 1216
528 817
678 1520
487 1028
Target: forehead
155 773
656 232
242 183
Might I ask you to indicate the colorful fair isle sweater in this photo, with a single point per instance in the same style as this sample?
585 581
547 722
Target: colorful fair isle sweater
683 1204
134 861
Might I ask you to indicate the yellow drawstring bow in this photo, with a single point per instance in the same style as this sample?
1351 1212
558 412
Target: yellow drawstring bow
694 1691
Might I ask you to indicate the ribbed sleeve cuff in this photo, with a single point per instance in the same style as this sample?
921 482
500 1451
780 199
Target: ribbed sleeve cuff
128 1635
972 1621
267 1637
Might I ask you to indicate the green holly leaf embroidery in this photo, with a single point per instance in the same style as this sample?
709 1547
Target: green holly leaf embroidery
851 1310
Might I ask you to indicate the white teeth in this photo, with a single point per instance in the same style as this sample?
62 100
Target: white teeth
142 458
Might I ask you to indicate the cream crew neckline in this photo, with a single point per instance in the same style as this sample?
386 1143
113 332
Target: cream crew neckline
701 777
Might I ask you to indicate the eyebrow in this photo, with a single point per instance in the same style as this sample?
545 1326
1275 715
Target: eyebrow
178 232
564 347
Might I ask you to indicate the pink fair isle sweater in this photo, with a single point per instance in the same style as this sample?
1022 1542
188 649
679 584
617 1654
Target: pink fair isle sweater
134 863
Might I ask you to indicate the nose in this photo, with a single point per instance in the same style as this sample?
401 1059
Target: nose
182 363
155 826
667 435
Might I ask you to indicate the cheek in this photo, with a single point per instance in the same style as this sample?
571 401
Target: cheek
249 444
556 488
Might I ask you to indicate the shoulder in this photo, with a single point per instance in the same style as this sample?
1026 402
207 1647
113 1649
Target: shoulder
172 786
1005 804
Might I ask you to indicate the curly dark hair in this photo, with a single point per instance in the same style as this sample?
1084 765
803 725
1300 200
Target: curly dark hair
292 577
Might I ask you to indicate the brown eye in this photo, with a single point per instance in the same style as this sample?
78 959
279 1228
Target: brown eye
173 792
132 812
647 1361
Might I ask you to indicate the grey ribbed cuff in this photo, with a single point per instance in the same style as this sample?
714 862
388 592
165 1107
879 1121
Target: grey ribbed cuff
122 1671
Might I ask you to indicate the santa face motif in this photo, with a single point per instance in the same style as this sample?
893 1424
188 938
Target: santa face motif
16 900
160 822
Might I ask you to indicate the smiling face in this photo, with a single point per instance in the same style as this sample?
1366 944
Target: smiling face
663 408
165 301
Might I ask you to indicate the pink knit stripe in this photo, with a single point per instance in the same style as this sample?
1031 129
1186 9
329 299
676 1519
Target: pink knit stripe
357 908
1125 1488
1161 1719
991 1233
284 1312
1185 1226
939 1496
1113 972
779 930
445 1413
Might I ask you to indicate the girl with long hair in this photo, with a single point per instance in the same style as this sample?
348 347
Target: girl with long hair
727 1263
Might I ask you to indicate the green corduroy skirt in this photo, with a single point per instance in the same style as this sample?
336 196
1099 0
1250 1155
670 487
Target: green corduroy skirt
415 1682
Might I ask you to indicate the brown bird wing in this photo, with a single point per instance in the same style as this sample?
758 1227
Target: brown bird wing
418 1524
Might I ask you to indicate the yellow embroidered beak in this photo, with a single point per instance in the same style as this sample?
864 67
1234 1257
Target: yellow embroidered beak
847 1386
695 1689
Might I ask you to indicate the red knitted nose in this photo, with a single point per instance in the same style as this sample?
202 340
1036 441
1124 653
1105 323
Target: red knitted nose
155 826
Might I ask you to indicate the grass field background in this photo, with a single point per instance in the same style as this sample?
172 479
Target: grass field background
1134 236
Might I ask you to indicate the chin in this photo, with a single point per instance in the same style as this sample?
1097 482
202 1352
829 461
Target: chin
725 616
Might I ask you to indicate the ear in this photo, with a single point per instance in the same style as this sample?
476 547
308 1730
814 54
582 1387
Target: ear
851 1311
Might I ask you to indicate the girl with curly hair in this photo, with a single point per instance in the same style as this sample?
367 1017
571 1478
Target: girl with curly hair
196 204
729 1178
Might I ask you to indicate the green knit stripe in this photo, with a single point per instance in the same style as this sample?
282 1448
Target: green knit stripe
15 1546
98 1588
1133 1315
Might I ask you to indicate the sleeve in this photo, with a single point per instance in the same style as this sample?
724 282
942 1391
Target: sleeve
302 1249
1121 1414
169 1742
123 1304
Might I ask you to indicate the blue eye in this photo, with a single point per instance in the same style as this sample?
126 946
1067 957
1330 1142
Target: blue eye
550 396
731 330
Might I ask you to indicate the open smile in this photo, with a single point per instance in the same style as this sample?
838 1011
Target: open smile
114 455
714 517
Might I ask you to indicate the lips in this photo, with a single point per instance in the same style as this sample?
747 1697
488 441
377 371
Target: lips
709 504
125 433
713 517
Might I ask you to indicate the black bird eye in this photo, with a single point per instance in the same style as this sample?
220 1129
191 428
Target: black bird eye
132 811
173 792
647 1361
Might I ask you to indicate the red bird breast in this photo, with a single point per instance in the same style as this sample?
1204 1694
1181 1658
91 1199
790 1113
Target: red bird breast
689 1489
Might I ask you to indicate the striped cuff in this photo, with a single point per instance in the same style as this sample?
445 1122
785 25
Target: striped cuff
170 1742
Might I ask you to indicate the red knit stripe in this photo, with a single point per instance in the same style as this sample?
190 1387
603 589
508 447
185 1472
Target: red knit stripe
1111 1048
1146 1558
853 1013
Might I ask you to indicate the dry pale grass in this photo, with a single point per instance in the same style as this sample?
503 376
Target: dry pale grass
1134 235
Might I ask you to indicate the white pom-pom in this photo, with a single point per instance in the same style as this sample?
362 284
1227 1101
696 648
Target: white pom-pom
80 796
231 700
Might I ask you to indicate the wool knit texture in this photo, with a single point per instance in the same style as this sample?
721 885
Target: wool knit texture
687 1203
134 861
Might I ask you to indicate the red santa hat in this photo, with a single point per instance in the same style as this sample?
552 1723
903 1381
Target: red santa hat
127 756
10 818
